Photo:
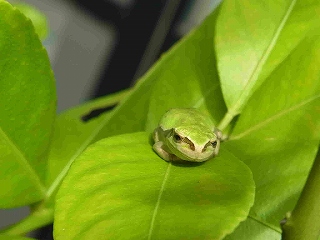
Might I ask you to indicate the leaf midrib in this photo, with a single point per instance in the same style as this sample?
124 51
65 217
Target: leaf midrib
235 109
23 162
155 211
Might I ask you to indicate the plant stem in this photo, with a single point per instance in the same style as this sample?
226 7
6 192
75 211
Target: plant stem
226 120
35 220
304 222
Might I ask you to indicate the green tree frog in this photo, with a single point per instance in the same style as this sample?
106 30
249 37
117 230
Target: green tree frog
186 134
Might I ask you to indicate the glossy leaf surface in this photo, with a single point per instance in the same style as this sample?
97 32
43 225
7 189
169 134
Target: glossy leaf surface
27 106
120 189
254 37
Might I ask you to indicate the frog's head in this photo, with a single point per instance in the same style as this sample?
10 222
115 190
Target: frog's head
191 143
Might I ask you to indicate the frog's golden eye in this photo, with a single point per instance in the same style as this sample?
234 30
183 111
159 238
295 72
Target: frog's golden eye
214 143
177 138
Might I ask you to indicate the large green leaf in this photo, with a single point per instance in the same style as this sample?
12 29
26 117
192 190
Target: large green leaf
27 108
277 134
120 189
254 37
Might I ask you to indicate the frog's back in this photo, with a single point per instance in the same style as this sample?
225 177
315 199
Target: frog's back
184 117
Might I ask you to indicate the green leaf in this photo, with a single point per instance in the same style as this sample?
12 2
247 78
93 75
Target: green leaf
120 189
191 78
27 106
277 134
38 19
254 37
304 221
278 131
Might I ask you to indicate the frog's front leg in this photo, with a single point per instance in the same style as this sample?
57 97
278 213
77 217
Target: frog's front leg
162 151
219 135
159 148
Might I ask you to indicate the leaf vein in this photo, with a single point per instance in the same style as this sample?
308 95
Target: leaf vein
156 209
255 73
274 228
30 172
274 117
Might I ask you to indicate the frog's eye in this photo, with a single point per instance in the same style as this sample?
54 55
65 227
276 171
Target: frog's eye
214 143
177 137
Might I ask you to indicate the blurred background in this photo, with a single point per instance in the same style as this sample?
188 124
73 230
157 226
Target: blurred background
99 47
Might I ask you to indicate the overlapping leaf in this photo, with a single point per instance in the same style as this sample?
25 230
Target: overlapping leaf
277 134
254 37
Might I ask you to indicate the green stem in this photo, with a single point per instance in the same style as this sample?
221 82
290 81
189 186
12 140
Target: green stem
226 120
304 222
39 218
